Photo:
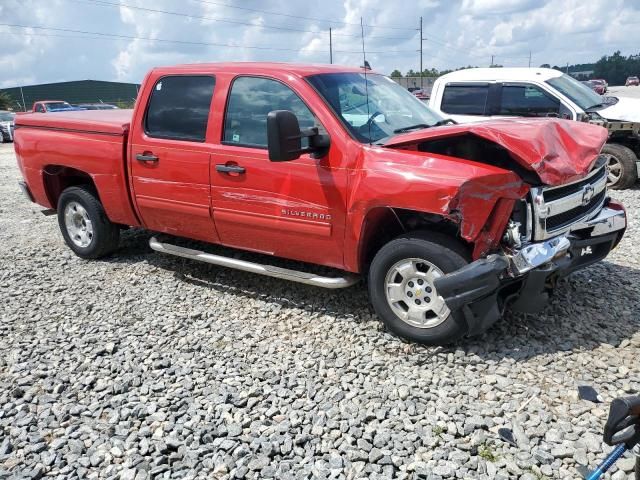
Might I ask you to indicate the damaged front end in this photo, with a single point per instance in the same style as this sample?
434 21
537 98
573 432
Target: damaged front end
553 232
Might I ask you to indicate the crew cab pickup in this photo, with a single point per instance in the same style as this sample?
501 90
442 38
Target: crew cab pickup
337 167
49 106
477 94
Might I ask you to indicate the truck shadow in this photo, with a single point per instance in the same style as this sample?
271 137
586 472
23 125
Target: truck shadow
595 306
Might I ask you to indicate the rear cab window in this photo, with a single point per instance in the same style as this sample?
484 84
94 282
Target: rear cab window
465 99
178 107
250 101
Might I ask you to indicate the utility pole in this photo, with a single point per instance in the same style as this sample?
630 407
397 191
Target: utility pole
24 105
567 68
330 47
529 58
421 39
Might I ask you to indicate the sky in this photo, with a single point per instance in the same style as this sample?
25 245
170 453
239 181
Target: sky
120 40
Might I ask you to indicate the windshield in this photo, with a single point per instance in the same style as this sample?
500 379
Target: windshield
7 116
575 91
389 109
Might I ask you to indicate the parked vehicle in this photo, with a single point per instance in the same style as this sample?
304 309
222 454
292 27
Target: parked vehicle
421 94
477 94
49 106
600 81
599 88
96 106
337 167
7 125
632 82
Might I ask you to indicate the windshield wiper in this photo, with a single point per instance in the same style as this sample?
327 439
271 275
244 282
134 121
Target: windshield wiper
444 121
417 126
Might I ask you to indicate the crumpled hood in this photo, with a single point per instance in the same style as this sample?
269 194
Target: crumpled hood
627 109
559 151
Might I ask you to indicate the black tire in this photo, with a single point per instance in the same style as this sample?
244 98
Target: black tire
105 235
626 159
444 253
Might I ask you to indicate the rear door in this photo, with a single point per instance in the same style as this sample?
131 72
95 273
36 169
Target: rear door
169 157
292 209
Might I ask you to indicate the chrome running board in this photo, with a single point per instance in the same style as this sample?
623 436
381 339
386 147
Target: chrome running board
347 280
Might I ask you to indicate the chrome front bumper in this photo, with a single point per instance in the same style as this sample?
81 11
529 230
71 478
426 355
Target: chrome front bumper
521 278
537 254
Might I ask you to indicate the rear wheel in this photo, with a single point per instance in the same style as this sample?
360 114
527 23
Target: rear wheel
84 224
621 166
402 289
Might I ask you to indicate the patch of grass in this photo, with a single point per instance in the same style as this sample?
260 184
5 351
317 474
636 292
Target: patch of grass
485 451
437 430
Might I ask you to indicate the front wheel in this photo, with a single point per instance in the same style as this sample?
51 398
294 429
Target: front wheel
621 166
84 223
402 290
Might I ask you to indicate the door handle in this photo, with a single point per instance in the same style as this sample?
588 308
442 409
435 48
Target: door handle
221 167
147 157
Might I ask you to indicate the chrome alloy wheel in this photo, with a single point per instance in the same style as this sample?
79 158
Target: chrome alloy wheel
411 293
78 224
614 169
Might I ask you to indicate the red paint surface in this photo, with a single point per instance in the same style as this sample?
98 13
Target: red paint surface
307 209
559 151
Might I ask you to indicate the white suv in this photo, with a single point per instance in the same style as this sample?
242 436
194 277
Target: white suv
476 94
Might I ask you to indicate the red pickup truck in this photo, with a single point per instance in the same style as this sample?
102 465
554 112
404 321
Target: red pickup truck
49 106
338 167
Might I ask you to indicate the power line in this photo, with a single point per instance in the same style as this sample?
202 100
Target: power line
114 36
391 27
223 19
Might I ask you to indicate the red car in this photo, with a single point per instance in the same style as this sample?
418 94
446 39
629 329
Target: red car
632 81
337 167
596 86
421 94
603 82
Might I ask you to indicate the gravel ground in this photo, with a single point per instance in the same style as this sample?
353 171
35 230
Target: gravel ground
148 366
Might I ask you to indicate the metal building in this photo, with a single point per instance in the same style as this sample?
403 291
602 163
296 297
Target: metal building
79 91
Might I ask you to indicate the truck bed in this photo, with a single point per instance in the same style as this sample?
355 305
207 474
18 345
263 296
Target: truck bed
91 144
115 122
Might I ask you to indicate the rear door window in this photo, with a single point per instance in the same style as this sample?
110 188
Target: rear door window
527 101
465 99
179 108
250 101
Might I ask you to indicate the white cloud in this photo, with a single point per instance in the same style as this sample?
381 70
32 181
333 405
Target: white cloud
466 32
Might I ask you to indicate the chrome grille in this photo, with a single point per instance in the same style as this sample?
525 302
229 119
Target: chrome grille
556 209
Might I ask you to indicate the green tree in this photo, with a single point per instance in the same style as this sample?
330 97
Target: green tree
545 65
396 73
6 101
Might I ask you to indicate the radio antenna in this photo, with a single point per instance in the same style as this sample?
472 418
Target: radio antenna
365 67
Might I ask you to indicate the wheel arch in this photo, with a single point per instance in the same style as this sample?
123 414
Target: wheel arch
383 224
57 178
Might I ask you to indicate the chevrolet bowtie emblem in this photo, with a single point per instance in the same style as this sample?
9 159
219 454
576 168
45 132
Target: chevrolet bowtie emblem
587 194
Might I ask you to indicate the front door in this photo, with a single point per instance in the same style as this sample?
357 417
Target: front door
291 209
169 158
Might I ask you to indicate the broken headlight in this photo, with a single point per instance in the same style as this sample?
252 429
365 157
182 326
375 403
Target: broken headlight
518 231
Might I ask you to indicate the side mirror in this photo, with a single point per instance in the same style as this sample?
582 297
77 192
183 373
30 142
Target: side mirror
284 137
